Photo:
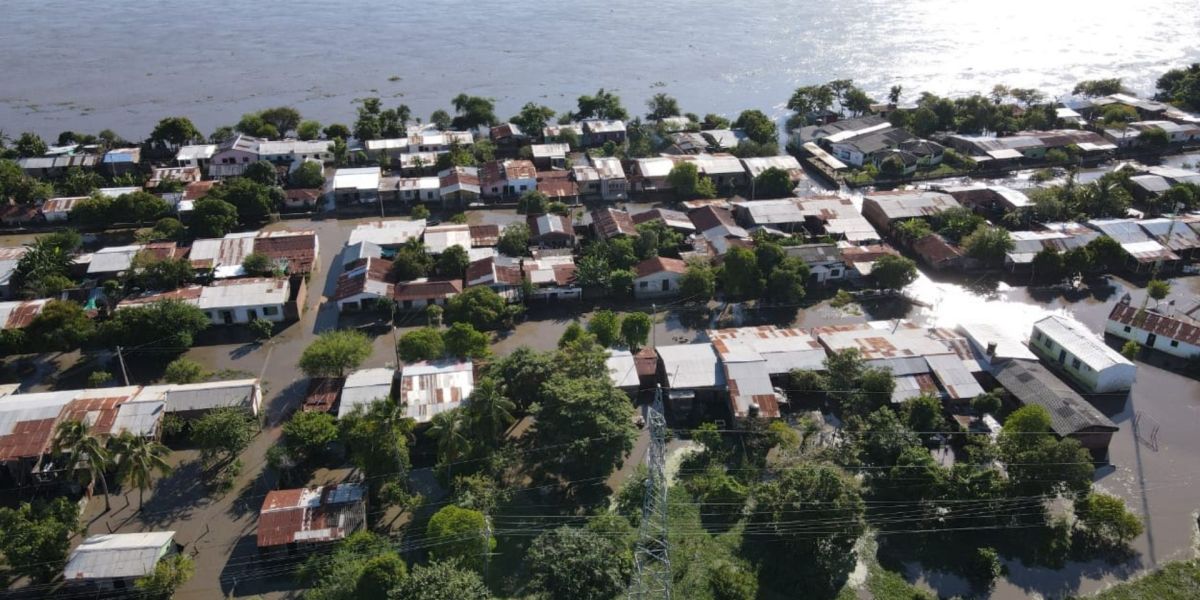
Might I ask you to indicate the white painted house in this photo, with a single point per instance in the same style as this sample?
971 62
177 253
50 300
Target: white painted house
229 301
1080 354
1177 336
113 561
658 277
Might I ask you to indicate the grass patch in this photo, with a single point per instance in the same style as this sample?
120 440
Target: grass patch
1176 581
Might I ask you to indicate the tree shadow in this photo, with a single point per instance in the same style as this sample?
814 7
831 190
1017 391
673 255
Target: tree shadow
250 498
247 572
175 496
281 405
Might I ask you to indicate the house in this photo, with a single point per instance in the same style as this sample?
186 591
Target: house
716 220
994 343
892 162
837 218
10 257
1027 245
431 387
550 231
550 156
358 185
291 153
507 135
365 386
199 156
439 238
459 186
232 156
673 219
1071 416
860 148
622 371
694 378
301 198
499 272
1147 187
882 209
290 519
725 170
724 139
483 236
860 260
507 179
58 210
410 190
14 214
1180 235
1178 336
183 175
551 277
1144 252
420 293
611 223
387 234
121 161
926 152
363 282
597 132
422 142
18 314
1070 348
939 254
658 277
994 200
603 179
229 301
782 215
787 163
824 261
754 358
558 186
51 166
416 164
650 174
293 252
112 261
114 561
845 127
688 142
556 133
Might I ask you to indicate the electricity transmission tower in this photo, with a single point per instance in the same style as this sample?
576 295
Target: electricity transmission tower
652 579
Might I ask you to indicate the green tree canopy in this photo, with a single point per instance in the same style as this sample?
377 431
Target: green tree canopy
635 330
606 326
253 200
308 130
460 531
514 241
590 420
308 432
184 370
571 562
758 126
773 183
699 281
421 344
893 272
988 244
662 106
222 434
213 218
165 326
481 307
62 326
533 118
174 132
741 276
473 111
440 580
603 105
464 341
334 353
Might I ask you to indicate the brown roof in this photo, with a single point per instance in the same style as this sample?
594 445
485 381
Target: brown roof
659 264
708 217
869 253
322 393
298 248
320 514
197 189
658 214
564 274
302 195
425 290
28 439
1156 323
485 235
23 315
647 362
557 188
935 249
610 222
501 274
349 284
520 169
491 173
191 292
161 250
503 131
460 176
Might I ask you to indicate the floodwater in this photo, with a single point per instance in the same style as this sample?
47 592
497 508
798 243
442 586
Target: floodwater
125 64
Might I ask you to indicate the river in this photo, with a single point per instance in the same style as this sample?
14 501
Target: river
124 64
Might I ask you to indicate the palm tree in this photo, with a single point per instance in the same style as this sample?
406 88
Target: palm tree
74 441
490 411
451 430
137 460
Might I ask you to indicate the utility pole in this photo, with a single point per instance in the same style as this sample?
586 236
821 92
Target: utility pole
121 358
487 542
653 325
652 578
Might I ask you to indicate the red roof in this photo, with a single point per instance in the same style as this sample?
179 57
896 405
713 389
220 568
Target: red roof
322 393
557 188
197 189
350 282
708 217
1156 323
935 249
659 264
302 196
647 362
427 290
298 248
23 315
320 514
485 235
610 222
486 268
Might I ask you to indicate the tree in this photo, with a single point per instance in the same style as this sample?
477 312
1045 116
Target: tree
1181 86
604 105
451 432
893 272
258 264
380 574
532 202
606 326
80 182
1098 87
662 106
356 569
894 94
30 144
489 411
138 459
464 341
988 402
1049 265
75 444
170 326
699 282
453 262
1131 349
514 241
533 118
1106 254
857 101
785 283
37 537
828 496
988 244
481 307
441 581
729 582
421 344
337 131
741 277
174 132
1037 461
308 130
571 562
1158 289
98 379
334 353
590 421
1106 520
261 172
253 124
1155 138
283 118
411 261
758 126
773 183
308 432
253 200
522 373
473 111
184 370
635 330
62 326
153 273
923 414
377 437
440 119
213 218
810 99
460 530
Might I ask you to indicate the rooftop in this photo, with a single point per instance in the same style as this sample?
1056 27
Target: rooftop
1080 342
431 387
117 555
321 514
1032 383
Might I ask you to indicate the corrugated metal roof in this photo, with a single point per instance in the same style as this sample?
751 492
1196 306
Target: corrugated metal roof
117 555
431 387
364 386
320 514
691 366
387 233
1080 342
1032 383
958 382
622 369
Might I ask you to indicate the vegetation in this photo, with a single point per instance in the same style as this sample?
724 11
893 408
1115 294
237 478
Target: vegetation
222 434
461 529
37 537
482 308
162 327
334 353
1175 581
138 459
893 272
575 562
184 370
213 218
308 433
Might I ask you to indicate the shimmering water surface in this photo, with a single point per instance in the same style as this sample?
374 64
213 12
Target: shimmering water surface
124 64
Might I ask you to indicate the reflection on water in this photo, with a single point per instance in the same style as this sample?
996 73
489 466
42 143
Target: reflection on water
950 304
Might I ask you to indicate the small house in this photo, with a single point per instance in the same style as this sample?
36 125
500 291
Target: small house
1069 348
507 179
551 276
499 272
420 293
199 156
610 223
1071 416
362 283
550 156
431 387
364 386
114 561
825 262
550 231
458 186
359 185
883 209
597 132
658 277
673 219
291 519
1177 336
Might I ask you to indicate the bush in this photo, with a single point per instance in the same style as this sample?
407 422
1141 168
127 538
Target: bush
262 329
97 379
421 344
984 568
184 370
420 212
309 432
731 583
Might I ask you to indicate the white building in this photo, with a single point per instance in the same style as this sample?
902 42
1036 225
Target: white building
1177 336
195 156
431 387
359 185
1077 352
387 234
365 386
113 561
440 238
658 277
229 301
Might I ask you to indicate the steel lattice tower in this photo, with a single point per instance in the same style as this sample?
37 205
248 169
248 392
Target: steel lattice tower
652 579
